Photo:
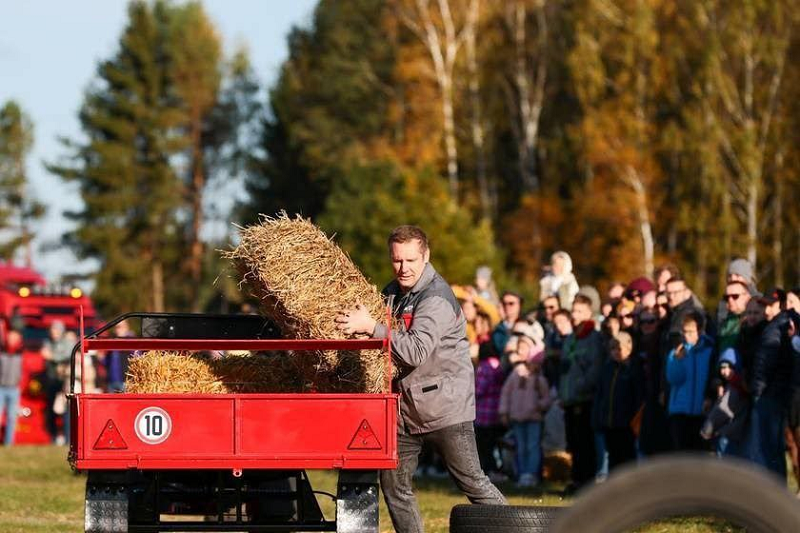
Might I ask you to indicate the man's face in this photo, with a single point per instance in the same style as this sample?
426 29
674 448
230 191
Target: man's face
580 313
772 310
562 325
408 262
663 277
793 302
677 293
736 298
551 305
511 307
56 332
690 333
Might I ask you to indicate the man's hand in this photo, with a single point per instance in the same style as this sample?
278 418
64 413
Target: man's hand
354 321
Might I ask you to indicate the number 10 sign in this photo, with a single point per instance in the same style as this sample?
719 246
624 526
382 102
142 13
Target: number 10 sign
153 425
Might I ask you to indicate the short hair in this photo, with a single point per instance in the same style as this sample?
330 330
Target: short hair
676 279
696 317
552 297
582 299
516 295
406 233
740 283
564 313
673 270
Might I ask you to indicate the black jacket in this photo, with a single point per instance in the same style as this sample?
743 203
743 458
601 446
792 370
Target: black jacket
772 361
620 393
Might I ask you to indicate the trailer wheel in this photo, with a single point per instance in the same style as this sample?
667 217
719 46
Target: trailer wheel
501 518
684 485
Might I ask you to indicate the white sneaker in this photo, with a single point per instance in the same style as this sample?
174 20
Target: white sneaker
61 440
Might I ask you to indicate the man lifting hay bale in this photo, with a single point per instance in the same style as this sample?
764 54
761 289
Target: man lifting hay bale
435 378
302 279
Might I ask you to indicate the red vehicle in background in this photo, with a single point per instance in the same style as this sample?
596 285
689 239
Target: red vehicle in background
32 304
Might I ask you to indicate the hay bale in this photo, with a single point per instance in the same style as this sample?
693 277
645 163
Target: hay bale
303 280
158 371
163 372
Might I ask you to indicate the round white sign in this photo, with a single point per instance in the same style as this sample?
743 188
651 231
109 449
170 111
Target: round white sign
153 425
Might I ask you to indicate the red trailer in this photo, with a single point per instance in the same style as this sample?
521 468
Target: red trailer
228 462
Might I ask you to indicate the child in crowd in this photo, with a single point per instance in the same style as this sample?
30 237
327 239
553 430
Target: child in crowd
489 377
688 368
524 400
620 395
726 418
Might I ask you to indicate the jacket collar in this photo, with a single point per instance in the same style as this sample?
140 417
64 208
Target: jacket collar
427 276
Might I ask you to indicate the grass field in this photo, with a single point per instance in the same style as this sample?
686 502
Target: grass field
40 494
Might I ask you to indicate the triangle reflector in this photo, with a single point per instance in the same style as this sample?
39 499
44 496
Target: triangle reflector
110 438
365 438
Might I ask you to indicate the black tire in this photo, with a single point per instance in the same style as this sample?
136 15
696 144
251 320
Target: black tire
501 518
684 485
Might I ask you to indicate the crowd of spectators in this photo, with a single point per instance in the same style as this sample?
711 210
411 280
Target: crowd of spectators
105 372
645 370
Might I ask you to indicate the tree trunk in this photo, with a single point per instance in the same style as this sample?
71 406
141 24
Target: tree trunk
198 185
634 180
450 137
478 137
157 273
777 235
752 222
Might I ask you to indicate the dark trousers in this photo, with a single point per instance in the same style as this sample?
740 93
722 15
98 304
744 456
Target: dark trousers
456 446
685 433
621 446
486 439
580 442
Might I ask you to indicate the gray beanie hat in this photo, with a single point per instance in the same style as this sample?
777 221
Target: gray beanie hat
742 267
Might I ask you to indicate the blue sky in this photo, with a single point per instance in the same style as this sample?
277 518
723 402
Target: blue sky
49 50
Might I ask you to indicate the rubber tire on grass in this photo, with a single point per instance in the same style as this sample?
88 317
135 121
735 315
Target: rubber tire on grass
501 518
684 485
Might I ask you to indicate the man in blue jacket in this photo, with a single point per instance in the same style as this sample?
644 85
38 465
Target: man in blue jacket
436 378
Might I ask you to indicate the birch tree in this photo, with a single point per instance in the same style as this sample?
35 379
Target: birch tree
443 31
526 82
748 45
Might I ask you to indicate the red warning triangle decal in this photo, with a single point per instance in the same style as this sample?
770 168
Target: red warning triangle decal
365 438
110 438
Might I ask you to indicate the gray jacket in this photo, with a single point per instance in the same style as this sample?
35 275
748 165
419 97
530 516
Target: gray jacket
10 369
436 379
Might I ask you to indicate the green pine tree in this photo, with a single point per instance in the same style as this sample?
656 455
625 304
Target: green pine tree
132 195
17 208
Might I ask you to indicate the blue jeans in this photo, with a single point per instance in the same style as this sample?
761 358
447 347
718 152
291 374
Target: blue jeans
9 403
529 451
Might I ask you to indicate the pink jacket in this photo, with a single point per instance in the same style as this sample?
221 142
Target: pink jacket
525 397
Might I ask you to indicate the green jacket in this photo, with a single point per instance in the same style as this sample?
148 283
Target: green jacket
728 332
